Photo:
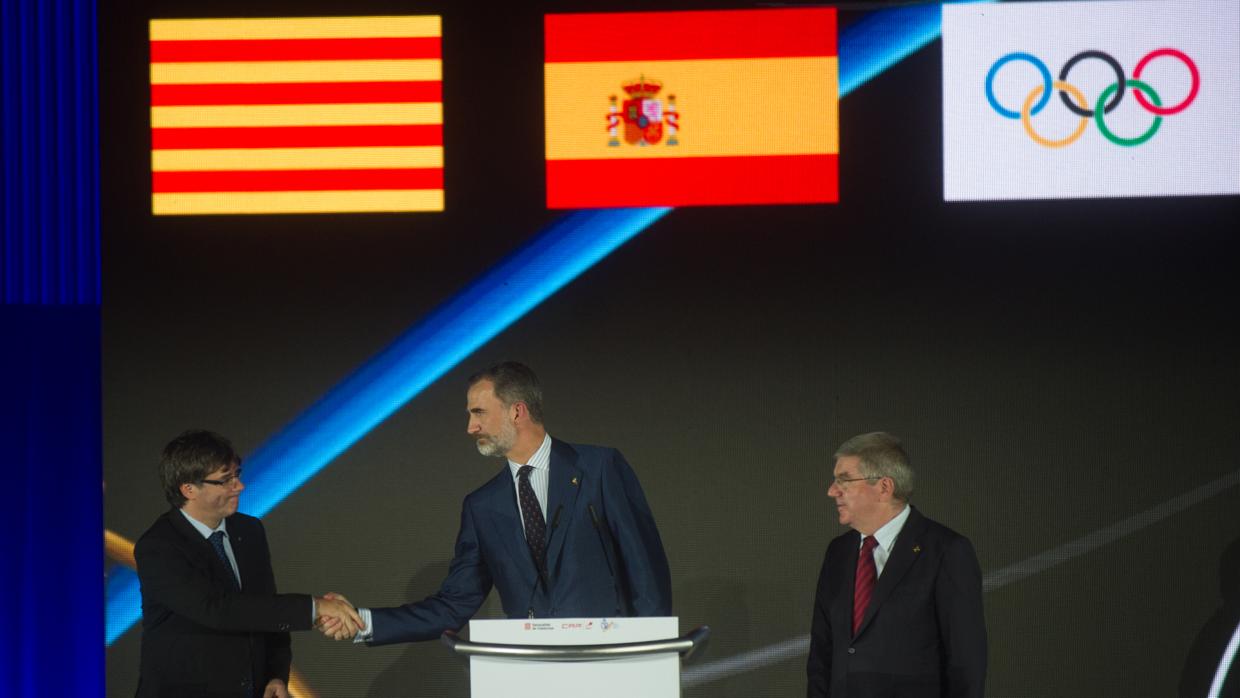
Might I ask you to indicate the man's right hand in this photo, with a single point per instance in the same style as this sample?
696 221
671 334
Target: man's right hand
337 618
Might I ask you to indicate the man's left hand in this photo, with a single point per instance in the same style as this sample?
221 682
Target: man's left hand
276 689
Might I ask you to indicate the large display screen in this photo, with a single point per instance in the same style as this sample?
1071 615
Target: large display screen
296 115
728 237
1090 99
691 108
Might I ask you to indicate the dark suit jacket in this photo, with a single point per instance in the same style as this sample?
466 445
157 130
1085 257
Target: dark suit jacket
923 635
200 638
604 555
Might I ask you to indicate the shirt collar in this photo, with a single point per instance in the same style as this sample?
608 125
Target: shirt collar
886 536
539 461
202 527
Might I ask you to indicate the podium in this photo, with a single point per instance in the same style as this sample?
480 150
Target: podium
572 657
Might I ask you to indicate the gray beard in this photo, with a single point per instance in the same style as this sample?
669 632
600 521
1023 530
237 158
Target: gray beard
490 448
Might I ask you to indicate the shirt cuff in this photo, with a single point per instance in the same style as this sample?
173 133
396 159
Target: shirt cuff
367 632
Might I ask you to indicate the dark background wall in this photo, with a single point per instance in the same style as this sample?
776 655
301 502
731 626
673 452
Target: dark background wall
1055 368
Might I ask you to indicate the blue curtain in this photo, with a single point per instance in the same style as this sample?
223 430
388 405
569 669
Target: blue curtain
50 423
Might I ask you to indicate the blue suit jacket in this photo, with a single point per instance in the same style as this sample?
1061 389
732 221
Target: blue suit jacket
604 555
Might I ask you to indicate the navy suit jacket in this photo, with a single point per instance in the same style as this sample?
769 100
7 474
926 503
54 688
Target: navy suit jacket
200 638
923 634
604 554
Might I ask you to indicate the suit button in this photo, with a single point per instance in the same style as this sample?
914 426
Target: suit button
852 650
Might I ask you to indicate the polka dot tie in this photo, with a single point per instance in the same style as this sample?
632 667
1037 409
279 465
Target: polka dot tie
531 514
867 573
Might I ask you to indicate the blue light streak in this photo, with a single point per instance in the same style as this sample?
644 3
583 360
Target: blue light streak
485 308
437 344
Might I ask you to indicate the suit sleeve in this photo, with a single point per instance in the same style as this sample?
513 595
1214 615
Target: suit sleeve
279 647
818 667
642 559
458 599
169 577
962 622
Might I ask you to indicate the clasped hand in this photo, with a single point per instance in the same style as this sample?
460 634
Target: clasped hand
338 619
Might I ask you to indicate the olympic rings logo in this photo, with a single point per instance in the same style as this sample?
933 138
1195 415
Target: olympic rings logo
1076 102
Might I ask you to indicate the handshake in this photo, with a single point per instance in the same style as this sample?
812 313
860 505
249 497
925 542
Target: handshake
337 618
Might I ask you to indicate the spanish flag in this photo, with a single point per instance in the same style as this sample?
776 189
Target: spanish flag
692 108
296 115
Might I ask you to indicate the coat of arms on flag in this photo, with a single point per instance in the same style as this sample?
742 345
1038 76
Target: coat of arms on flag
644 115
729 71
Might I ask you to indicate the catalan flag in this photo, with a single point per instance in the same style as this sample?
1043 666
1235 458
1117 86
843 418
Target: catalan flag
691 108
296 115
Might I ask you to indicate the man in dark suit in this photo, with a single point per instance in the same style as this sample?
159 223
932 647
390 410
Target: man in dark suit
561 531
898 612
212 622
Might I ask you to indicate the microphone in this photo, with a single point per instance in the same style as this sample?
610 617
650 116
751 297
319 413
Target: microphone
604 538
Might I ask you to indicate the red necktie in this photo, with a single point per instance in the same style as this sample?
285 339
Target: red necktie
866 574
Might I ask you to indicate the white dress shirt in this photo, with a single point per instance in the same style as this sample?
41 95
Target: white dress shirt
886 539
541 475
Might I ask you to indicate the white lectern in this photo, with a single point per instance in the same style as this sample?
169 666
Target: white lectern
571 657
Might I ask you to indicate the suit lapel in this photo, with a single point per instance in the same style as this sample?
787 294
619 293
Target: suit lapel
505 516
243 550
562 488
201 546
848 578
899 561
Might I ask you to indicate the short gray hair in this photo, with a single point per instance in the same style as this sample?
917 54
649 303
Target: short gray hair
881 455
514 382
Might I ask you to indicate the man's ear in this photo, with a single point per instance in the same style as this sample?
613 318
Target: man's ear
520 410
887 486
188 491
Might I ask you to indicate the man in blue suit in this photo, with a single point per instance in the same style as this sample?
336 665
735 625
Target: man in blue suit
562 531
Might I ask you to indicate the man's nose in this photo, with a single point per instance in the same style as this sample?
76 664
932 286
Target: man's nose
240 485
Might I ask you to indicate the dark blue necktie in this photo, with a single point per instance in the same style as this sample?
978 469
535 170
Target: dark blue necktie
535 524
217 542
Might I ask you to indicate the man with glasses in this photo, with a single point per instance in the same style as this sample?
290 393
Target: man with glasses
212 622
898 610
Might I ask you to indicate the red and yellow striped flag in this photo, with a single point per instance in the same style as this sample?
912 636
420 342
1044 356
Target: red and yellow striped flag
692 108
296 115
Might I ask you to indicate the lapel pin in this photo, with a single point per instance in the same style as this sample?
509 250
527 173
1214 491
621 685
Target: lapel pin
574 483
917 548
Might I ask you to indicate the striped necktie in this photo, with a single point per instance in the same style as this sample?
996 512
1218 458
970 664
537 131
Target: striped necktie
867 573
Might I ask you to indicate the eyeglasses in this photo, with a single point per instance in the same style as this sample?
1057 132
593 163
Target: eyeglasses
226 482
841 481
